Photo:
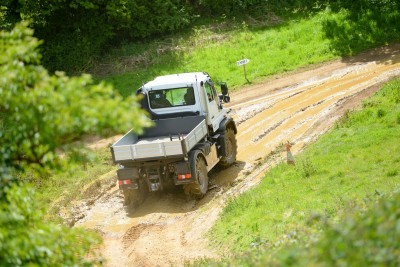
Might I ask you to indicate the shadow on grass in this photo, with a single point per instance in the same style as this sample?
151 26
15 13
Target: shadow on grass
358 30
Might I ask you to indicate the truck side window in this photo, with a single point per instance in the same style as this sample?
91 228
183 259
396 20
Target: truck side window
209 91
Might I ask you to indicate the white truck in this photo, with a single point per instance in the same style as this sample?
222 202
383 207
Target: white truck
192 133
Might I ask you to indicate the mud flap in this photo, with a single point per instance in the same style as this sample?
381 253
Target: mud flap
128 178
183 171
222 146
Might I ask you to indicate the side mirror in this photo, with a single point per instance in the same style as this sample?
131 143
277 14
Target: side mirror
224 89
225 94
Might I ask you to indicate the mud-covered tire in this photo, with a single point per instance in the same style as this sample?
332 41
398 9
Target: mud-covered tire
199 188
231 149
134 197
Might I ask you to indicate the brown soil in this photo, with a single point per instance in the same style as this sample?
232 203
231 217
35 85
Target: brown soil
298 107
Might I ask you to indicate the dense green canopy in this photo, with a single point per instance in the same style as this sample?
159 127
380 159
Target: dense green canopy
39 114
75 31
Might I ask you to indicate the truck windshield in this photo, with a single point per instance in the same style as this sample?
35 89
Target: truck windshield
173 97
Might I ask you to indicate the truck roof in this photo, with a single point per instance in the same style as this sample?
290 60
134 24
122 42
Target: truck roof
175 80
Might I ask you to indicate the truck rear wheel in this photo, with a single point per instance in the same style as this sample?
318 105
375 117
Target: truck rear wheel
134 197
199 188
230 148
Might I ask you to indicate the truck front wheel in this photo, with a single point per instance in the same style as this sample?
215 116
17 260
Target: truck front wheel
230 149
199 188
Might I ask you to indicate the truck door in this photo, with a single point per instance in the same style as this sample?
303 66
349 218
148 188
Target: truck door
213 115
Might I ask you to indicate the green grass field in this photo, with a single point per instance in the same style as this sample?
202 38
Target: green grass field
344 170
273 47
272 50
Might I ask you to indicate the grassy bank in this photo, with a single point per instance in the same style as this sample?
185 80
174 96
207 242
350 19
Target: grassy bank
83 176
286 46
346 170
274 45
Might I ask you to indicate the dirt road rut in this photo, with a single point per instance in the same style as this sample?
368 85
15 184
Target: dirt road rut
168 230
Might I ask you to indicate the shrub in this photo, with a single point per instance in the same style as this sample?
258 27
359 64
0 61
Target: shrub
25 239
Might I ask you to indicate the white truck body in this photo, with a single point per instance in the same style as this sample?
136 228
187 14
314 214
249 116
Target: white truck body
192 133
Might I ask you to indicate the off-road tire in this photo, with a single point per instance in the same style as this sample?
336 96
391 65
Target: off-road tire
199 188
134 197
230 148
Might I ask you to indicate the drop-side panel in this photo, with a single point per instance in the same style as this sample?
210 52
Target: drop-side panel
121 153
196 135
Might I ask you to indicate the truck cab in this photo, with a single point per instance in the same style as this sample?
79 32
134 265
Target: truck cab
185 94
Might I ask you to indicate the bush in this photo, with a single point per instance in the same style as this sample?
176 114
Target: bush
25 239
39 114
76 31
364 239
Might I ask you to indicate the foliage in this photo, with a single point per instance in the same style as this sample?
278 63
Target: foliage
25 239
42 112
368 238
360 6
39 114
353 165
76 31
362 24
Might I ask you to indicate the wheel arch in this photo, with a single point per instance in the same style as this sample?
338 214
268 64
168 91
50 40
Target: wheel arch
193 156
228 123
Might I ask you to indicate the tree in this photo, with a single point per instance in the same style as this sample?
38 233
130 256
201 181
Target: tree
75 31
39 114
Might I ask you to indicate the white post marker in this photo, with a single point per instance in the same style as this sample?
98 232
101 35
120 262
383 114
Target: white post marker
243 63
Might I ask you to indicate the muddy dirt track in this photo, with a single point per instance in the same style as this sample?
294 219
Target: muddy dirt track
168 230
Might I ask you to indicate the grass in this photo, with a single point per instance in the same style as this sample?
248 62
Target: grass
352 164
78 179
273 50
273 47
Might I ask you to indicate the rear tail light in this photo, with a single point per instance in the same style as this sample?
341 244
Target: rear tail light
122 182
184 176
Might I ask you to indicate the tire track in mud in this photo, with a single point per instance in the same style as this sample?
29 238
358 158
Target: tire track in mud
168 230
292 117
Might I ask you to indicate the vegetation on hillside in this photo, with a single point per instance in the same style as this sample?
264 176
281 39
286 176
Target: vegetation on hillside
274 45
302 215
40 115
77 32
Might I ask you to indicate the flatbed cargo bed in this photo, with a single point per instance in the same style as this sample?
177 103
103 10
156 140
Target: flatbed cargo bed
162 140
